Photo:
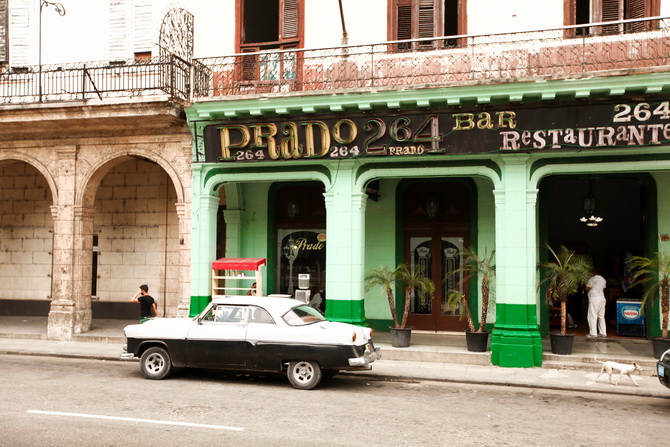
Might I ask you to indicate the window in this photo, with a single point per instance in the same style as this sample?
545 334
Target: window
3 32
269 25
593 11
416 19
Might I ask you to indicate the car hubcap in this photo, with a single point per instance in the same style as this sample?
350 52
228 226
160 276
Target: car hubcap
155 363
304 372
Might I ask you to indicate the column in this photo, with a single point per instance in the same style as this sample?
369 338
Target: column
184 297
61 321
345 248
203 251
515 339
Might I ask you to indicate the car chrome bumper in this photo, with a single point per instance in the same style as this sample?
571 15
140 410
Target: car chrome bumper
368 357
126 355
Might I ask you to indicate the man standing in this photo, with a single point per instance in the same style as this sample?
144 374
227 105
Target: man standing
148 308
596 314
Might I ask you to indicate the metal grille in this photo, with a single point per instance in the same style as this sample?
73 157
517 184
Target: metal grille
556 53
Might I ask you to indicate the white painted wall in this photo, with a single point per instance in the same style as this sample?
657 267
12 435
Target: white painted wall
93 30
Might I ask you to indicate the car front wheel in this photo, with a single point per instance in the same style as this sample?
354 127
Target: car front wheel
156 363
304 375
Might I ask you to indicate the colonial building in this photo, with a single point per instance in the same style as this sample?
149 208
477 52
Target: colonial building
331 137
94 160
342 136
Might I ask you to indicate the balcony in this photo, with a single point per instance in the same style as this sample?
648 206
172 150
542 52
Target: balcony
561 53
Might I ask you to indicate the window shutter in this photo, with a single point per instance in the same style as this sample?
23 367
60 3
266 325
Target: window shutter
21 34
142 25
3 31
426 19
290 20
404 20
118 29
612 10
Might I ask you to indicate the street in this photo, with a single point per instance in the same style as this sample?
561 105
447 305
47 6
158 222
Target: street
50 401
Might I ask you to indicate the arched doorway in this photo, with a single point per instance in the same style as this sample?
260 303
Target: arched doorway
624 203
436 216
300 220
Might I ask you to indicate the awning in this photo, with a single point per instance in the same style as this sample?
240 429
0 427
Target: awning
238 263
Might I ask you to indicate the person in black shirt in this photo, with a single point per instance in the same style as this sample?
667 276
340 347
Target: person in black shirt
148 308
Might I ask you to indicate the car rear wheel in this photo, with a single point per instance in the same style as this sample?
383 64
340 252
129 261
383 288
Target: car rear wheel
304 375
156 363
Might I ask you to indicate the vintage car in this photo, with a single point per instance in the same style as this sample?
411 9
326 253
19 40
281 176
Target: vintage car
252 334
663 368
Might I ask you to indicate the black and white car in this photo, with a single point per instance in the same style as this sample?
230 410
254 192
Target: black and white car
252 334
663 368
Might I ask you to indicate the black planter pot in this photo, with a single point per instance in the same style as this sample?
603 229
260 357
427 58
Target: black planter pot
400 337
561 344
660 345
477 341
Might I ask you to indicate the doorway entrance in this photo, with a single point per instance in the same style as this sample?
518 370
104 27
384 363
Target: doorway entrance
622 210
436 218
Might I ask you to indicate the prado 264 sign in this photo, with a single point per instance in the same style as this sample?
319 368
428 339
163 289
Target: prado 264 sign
581 127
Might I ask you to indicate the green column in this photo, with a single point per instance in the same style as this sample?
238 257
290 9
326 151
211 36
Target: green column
205 207
516 340
345 223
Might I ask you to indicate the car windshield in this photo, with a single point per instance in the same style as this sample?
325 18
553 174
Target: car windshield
302 315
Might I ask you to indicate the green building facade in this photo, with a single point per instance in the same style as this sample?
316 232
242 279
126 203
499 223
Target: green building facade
335 185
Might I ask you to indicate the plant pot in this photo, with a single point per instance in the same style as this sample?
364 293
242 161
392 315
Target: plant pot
477 341
660 345
561 344
400 337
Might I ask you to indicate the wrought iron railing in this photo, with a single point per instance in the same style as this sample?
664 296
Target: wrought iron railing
78 82
555 53
561 52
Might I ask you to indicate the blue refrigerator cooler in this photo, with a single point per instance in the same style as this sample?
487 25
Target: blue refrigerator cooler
629 318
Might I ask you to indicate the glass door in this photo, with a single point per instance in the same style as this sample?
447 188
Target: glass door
436 257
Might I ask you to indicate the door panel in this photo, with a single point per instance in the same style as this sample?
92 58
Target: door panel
436 255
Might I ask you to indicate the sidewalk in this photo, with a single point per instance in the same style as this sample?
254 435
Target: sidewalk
431 356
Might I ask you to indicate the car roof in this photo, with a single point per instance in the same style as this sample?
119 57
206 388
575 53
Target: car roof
273 304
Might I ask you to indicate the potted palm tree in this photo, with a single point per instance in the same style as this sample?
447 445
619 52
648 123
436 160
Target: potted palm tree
412 281
654 274
563 277
473 266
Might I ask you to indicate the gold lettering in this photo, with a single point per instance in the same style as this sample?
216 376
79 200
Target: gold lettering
464 121
289 144
259 136
484 121
310 150
337 132
226 145
507 117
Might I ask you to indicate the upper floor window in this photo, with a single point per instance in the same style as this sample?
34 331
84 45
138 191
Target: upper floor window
3 32
594 11
416 19
269 25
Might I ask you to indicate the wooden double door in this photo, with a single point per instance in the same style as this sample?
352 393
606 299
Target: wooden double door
436 221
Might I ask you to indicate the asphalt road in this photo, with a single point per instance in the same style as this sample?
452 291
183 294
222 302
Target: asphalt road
49 401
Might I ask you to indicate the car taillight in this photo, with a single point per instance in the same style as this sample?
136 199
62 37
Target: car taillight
353 337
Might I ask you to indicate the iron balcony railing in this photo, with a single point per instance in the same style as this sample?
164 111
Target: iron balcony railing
168 76
554 53
562 52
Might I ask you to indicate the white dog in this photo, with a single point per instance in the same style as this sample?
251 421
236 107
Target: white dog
622 368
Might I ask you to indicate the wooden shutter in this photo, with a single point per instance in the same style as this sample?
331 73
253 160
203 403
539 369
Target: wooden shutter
611 10
118 29
404 23
3 32
426 22
290 16
636 9
142 26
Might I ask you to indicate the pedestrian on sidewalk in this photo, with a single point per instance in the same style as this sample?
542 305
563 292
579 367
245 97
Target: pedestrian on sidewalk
148 308
595 289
